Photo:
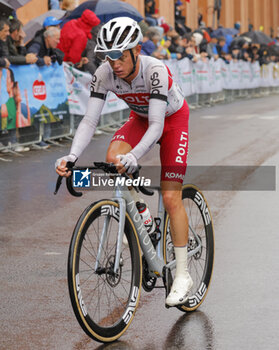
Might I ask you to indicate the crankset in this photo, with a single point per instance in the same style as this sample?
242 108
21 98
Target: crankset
148 282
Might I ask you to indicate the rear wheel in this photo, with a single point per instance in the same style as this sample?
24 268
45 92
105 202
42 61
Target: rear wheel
200 263
104 301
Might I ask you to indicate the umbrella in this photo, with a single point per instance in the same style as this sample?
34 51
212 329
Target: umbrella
15 4
37 23
5 9
106 10
273 50
223 32
258 37
239 41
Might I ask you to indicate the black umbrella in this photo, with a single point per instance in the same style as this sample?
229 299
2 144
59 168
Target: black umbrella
8 6
5 9
239 41
37 23
273 50
258 37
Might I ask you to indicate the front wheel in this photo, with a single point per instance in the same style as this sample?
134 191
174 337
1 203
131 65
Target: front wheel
200 245
104 301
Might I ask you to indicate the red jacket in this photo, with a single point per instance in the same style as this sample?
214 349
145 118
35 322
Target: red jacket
74 35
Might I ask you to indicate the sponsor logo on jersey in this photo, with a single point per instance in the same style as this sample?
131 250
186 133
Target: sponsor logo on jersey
118 138
173 175
93 83
135 99
181 151
155 83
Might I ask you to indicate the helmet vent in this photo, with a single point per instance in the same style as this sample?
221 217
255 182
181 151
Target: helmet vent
124 35
112 25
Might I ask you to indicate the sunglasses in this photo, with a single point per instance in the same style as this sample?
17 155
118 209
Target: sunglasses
111 54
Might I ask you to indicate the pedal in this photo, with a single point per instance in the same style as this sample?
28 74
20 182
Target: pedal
167 280
148 282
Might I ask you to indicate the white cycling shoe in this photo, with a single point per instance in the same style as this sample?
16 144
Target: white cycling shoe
180 289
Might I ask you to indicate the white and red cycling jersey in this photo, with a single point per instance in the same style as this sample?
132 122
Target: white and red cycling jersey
159 114
154 80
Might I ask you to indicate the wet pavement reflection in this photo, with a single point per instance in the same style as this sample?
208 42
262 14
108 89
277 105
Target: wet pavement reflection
241 308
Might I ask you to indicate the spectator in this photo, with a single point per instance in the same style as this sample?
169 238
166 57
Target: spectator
151 16
49 22
186 44
237 26
180 20
45 47
53 5
4 32
169 33
211 47
176 45
74 37
17 53
219 46
143 26
150 42
93 60
254 52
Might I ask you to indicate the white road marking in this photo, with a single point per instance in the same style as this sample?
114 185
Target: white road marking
53 253
210 116
246 116
269 117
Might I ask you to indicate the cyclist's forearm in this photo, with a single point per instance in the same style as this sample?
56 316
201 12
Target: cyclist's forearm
87 126
156 119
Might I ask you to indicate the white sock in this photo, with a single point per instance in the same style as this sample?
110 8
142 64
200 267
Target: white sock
181 261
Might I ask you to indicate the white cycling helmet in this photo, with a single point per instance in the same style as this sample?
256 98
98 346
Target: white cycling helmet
111 42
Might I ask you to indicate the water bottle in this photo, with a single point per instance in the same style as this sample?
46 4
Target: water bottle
146 217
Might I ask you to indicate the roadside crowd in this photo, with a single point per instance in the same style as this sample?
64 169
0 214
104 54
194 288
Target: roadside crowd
73 41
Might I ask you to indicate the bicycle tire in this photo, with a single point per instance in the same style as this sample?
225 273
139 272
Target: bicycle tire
104 303
195 204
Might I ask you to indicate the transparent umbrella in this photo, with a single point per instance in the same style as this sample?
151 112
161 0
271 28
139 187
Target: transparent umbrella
37 23
15 4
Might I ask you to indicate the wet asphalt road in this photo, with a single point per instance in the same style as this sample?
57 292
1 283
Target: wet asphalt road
241 307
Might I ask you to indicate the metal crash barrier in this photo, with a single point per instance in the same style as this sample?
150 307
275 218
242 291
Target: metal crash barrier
47 103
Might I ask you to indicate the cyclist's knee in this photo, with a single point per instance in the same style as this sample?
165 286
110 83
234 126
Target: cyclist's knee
172 201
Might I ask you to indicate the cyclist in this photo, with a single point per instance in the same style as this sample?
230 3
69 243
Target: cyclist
159 113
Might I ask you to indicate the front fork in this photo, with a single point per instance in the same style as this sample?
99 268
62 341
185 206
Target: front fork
119 240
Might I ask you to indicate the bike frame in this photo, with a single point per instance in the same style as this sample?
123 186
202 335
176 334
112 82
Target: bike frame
154 257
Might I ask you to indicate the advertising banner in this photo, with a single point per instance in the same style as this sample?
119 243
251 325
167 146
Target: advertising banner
78 88
203 77
29 93
275 74
187 77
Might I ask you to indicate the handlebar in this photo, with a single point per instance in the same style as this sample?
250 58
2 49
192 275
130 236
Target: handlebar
107 168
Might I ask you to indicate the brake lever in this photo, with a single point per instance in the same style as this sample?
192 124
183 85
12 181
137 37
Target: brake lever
58 184
69 181
70 188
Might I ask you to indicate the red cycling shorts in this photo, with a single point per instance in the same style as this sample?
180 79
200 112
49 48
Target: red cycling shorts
173 142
